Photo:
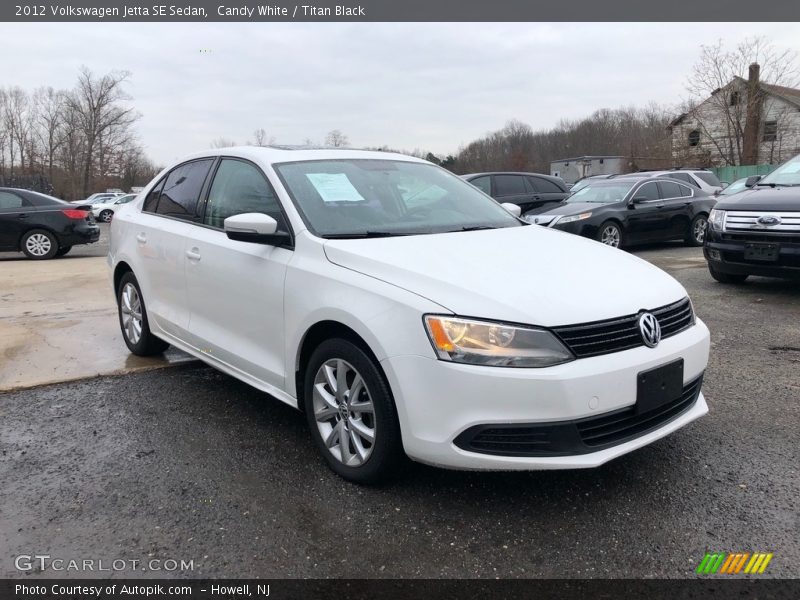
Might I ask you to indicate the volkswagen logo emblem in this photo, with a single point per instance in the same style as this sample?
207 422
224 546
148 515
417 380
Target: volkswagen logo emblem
769 220
650 329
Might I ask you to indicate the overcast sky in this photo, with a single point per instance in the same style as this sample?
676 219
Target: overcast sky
429 86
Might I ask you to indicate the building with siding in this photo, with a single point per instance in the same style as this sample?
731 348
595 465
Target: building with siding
746 122
573 169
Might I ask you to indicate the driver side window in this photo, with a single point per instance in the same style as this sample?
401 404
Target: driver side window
649 191
239 187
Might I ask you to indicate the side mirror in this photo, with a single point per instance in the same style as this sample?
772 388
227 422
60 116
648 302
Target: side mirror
636 200
256 228
752 180
514 209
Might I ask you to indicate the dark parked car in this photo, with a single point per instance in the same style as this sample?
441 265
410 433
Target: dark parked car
532 192
42 226
629 210
757 232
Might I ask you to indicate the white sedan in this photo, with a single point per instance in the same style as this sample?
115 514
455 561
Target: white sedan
377 293
104 210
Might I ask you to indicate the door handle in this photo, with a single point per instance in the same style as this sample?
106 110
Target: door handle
141 238
23 216
193 254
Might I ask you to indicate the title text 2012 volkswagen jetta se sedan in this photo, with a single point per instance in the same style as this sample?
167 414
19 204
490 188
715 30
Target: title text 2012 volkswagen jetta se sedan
376 292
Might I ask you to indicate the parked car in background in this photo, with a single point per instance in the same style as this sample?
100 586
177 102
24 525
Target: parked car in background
104 211
633 209
584 181
377 293
42 226
757 231
699 178
532 192
96 198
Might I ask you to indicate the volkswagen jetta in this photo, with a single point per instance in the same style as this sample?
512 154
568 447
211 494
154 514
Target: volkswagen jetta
374 292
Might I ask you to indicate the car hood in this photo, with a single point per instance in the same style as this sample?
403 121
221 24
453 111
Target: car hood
522 274
763 199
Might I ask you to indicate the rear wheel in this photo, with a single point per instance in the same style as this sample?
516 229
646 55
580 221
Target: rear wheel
726 277
350 412
106 216
39 244
63 250
133 319
610 233
696 234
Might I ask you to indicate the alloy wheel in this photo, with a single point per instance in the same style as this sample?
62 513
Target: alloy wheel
699 230
131 307
38 244
106 216
610 236
344 412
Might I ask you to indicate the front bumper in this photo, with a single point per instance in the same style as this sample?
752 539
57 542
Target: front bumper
725 254
438 401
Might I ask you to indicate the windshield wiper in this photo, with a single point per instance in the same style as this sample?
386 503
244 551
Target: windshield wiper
363 234
471 228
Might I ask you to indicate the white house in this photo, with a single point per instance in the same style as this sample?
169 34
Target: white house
746 122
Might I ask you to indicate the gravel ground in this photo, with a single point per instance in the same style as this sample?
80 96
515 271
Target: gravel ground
187 463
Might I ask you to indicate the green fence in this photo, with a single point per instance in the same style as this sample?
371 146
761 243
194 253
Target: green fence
731 174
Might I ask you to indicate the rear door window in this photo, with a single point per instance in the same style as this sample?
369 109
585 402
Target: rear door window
669 189
509 185
545 186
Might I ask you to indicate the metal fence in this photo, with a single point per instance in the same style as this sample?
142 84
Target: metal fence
731 174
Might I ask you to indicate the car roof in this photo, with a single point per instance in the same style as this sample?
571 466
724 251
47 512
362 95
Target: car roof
280 154
510 173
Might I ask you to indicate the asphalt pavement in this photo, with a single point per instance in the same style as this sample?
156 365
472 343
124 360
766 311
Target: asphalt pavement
189 464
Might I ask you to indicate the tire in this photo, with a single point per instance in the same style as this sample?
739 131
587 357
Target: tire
726 277
106 216
696 234
63 250
39 244
132 310
610 231
330 414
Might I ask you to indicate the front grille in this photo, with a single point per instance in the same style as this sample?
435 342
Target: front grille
615 335
747 220
575 437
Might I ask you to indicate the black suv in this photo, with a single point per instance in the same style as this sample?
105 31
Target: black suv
757 232
532 192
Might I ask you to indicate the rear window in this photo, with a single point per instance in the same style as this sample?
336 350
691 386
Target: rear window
545 186
708 177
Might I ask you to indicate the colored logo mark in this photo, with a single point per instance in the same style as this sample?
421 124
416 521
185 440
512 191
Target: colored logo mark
734 562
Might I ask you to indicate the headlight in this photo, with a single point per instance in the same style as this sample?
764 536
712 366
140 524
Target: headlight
494 344
572 218
716 219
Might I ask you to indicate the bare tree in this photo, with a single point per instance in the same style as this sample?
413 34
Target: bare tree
336 139
261 137
97 104
49 121
721 97
222 142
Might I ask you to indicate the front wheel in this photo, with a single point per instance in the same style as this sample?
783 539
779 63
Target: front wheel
133 319
351 413
610 234
726 277
696 234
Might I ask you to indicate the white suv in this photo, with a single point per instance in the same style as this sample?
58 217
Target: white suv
699 178
374 292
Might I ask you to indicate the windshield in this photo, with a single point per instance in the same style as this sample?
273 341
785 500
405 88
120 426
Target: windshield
602 192
365 197
734 188
787 174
